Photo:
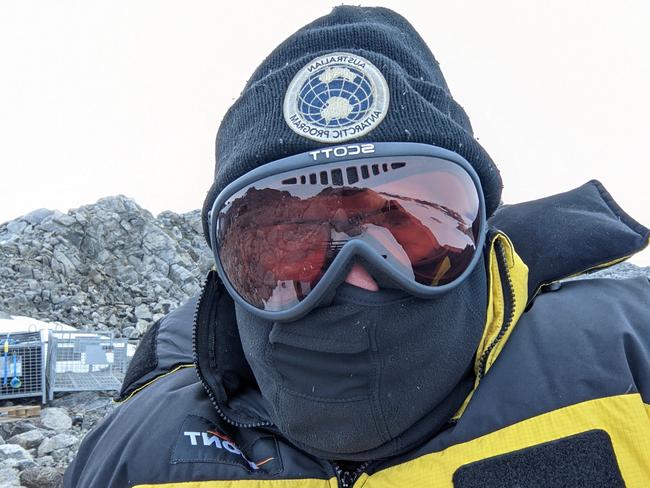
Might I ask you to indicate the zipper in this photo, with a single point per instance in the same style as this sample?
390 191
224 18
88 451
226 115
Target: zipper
509 303
205 384
345 477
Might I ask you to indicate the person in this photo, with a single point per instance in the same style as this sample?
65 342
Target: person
375 317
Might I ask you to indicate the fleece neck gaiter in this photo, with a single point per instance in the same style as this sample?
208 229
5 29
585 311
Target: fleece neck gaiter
370 374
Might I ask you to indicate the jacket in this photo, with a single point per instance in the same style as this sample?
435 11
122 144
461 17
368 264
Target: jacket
561 396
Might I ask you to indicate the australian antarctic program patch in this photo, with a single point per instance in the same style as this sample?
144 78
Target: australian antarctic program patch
336 97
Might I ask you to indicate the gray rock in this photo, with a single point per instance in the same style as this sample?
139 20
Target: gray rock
142 326
13 451
55 443
622 271
142 312
14 428
19 464
181 274
9 478
16 226
61 455
35 217
63 219
45 460
28 440
41 478
128 331
55 419
81 400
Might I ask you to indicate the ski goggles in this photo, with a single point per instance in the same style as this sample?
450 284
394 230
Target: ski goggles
288 231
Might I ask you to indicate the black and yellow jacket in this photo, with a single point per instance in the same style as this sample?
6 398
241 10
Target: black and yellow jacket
561 398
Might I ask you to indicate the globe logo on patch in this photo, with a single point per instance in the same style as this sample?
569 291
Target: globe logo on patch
336 97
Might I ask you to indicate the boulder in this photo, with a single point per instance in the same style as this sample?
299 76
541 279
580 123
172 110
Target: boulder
9 478
40 477
27 440
15 452
59 441
55 419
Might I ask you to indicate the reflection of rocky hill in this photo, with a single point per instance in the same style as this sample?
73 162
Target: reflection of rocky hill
109 264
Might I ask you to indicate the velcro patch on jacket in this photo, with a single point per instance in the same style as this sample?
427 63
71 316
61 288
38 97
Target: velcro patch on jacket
200 441
580 461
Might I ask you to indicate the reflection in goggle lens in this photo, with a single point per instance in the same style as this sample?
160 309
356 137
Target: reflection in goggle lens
276 238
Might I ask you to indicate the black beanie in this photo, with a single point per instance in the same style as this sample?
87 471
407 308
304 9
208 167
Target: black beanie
358 42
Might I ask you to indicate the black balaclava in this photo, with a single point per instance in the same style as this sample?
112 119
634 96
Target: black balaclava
366 374
370 374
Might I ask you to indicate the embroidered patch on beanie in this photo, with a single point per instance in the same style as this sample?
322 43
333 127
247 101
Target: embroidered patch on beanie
336 97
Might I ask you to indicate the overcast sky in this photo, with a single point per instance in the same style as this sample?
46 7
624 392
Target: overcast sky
99 98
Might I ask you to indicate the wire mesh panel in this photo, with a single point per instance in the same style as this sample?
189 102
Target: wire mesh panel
80 361
22 365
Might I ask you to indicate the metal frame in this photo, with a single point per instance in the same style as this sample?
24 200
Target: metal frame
22 367
85 361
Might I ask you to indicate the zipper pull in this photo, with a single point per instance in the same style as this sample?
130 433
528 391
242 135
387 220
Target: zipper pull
346 478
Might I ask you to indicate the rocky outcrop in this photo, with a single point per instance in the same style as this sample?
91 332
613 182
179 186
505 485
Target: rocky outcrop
106 265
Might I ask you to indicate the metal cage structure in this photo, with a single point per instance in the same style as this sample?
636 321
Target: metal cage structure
86 361
22 365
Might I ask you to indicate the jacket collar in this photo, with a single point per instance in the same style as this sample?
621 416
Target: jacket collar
507 300
537 243
220 361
